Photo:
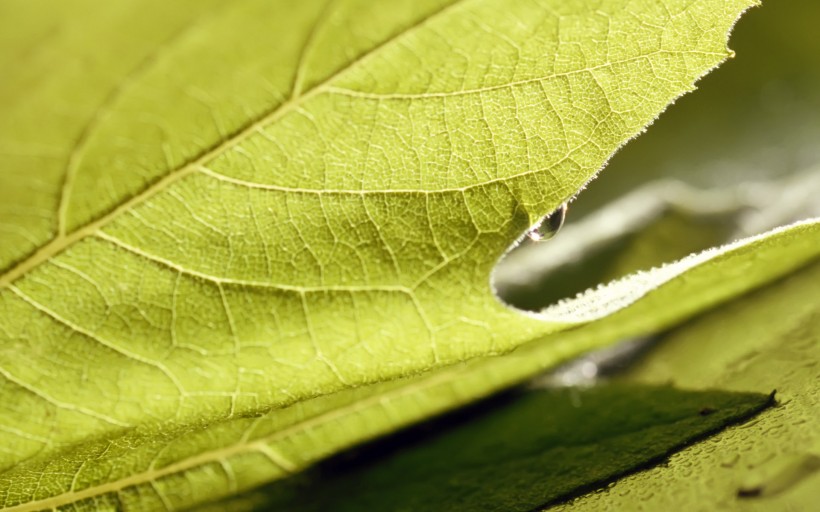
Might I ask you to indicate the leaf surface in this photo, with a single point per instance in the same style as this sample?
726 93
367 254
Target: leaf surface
223 213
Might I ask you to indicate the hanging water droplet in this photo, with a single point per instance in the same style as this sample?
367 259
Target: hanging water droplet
549 225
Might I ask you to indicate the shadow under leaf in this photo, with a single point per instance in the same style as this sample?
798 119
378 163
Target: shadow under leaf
522 451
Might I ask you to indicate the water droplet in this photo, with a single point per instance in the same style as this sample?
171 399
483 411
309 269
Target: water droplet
549 225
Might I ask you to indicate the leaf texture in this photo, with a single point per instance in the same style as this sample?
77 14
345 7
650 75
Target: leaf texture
227 211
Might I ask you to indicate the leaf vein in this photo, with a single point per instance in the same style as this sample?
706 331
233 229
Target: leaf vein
465 92
60 243
247 283
113 346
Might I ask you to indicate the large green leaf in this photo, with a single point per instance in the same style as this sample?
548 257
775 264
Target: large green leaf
217 215
177 464
770 338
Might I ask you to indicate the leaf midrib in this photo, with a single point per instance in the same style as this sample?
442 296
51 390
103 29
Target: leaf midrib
63 241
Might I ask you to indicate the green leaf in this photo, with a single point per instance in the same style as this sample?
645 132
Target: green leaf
768 339
213 216
525 452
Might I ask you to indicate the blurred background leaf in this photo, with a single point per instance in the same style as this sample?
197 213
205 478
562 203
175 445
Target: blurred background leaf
768 339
